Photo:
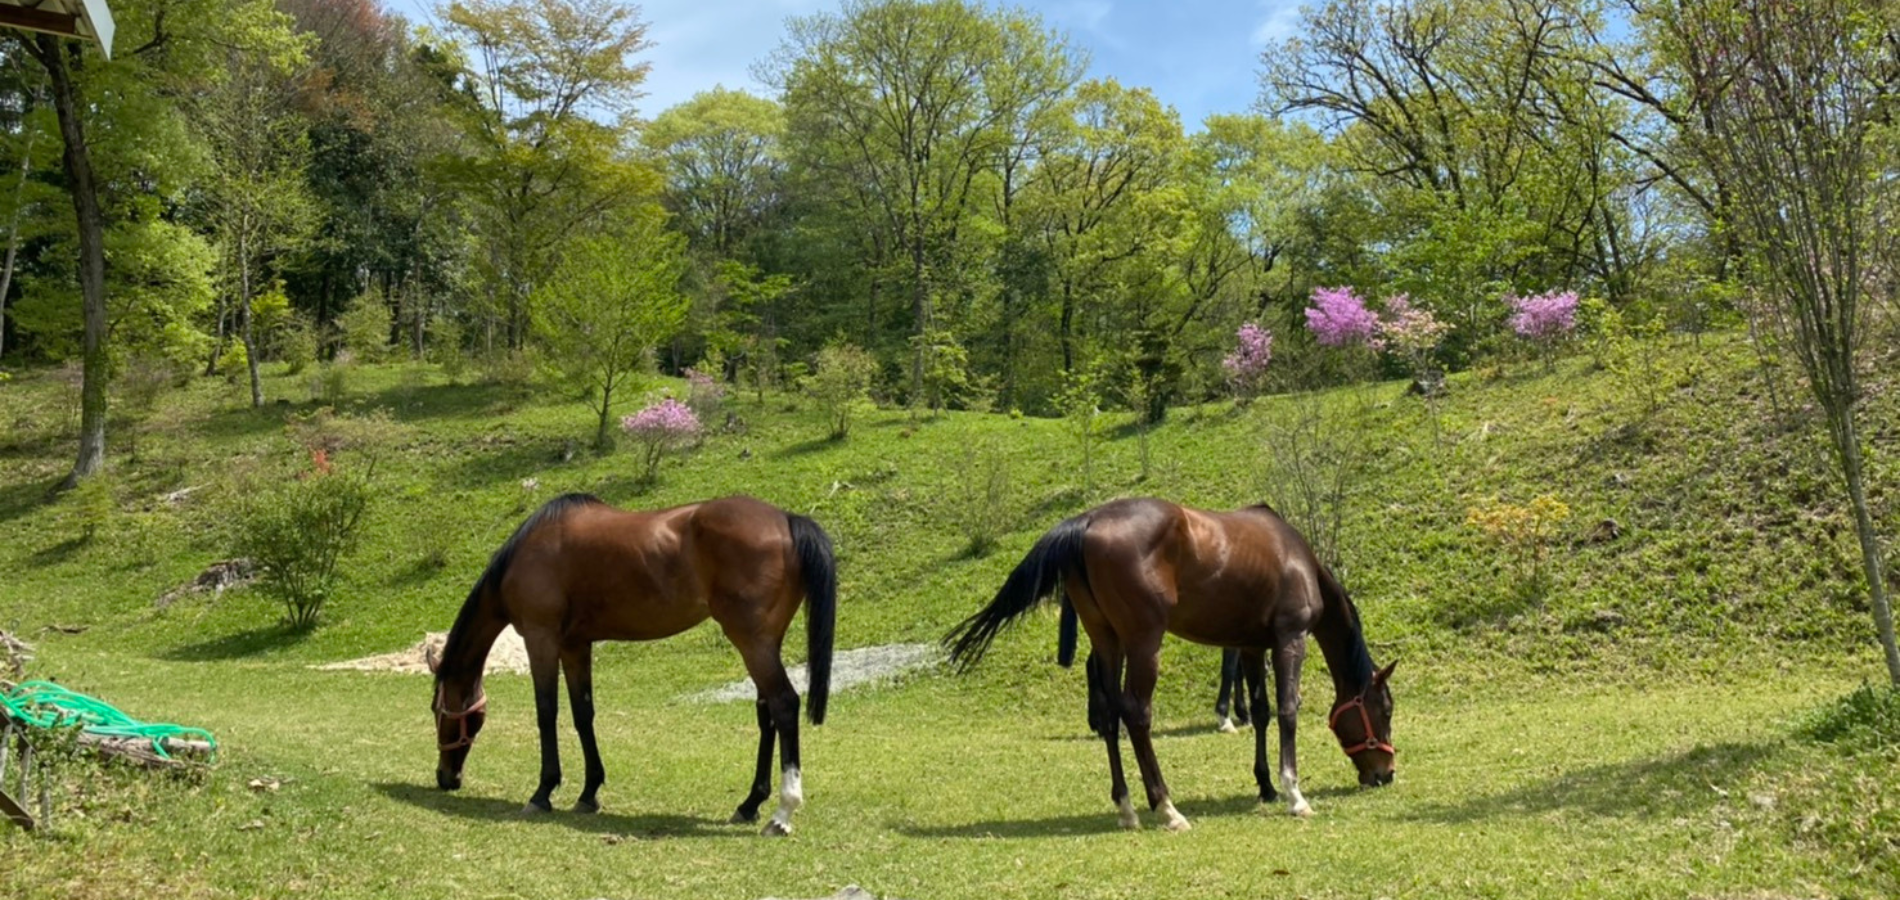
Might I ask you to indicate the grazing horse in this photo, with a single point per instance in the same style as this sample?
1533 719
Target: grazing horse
1134 570
579 571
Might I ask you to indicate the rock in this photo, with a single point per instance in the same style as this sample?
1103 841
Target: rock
1605 531
1428 384
220 575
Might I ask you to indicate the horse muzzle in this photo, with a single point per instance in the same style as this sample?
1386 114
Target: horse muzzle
447 781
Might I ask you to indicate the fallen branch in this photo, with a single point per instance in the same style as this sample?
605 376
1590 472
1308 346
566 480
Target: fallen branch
182 752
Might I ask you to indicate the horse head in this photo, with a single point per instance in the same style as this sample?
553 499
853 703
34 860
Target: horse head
1363 724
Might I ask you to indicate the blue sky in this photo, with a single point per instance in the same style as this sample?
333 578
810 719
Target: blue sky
1200 56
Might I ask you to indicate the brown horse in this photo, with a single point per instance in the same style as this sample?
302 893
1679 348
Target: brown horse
1134 570
580 571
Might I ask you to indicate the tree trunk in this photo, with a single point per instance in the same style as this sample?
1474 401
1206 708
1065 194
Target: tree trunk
1848 437
244 320
13 238
92 259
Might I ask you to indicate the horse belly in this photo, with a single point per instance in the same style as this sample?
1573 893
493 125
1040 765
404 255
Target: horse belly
642 616
1236 619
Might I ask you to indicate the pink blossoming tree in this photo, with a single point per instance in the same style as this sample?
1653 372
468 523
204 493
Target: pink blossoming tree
660 428
1545 319
1246 367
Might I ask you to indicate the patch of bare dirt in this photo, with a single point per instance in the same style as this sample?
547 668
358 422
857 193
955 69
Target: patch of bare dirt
509 656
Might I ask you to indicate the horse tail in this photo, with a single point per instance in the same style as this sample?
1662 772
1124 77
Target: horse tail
816 562
1066 633
1035 578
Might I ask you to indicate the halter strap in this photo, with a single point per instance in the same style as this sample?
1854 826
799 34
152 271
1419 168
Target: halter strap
465 739
1372 741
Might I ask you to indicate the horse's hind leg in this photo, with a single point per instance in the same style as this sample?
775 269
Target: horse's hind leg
748 810
578 663
1229 686
1253 669
780 702
1138 691
1105 672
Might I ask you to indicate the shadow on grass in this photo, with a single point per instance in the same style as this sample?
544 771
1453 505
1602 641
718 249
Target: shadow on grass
54 554
1661 786
506 460
491 809
1103 820
806 448
248 642
442 401
18 500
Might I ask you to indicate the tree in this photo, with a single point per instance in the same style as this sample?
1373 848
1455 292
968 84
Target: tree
1798 97
545 101
614 298
904 106
257 143
719 153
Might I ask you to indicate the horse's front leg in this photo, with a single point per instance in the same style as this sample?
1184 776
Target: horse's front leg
578 663
544 667
1286 674
1253 669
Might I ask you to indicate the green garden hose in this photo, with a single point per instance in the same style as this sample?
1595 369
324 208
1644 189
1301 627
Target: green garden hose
43 704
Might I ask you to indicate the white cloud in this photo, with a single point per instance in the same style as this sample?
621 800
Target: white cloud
1281 22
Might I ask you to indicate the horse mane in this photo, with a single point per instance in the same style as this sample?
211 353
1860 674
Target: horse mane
553 510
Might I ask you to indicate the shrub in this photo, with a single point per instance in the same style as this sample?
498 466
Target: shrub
1339 318
1545 320
1312 462
1246 366
297 532
331 384
93 505
365 326
841 384
445 347
1526 532
978 500
297 344
659 429
1081 405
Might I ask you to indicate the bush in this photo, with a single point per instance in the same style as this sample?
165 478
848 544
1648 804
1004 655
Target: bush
298 532
1526 532
1313 461
331 386
92 505
978 501
445 348
1867 719
841 384
660 428
365 326
297 345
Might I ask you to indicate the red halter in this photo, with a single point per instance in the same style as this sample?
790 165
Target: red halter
465 739
1372 741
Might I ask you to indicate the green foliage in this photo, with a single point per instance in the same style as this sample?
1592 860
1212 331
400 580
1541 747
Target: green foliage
93 505
234 363
330 385
840 382
298 531
1081 405
365 326
978 501
615 298
1527 532
1864 721
297 344
445 346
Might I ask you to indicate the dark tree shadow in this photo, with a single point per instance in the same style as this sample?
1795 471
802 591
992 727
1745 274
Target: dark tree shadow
249 642
18 500
492 809
441 401
509 462
1663 786
805 448
54 554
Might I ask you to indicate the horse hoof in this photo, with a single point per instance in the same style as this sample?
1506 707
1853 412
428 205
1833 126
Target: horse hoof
1303 810
775 828
1178 824
534 809
1129 821
1226 727
741 817
586 808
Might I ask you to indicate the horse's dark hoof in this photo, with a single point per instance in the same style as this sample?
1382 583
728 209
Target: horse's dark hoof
743 816
1269 796
586 807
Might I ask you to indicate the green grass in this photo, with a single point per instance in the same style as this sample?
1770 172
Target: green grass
1636 731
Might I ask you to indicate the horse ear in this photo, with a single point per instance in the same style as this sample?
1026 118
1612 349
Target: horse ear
1382 675
429 656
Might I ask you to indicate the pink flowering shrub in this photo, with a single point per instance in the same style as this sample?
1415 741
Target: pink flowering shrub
1246 367
704 393
1410 331
1545 319
1339 318
661 427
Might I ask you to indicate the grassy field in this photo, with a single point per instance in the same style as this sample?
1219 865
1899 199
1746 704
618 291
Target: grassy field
1639 727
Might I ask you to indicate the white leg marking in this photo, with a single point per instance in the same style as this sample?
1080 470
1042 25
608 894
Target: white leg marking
1128 818
1227 725
1171 818
1293 797
791 796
